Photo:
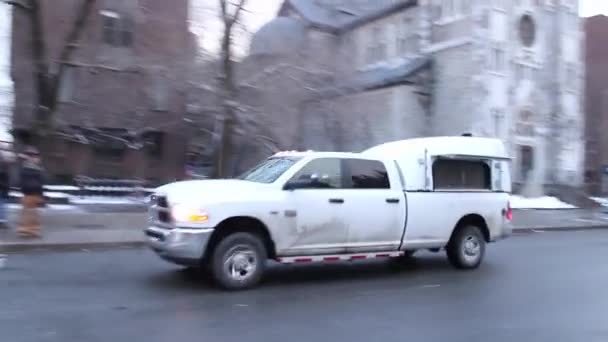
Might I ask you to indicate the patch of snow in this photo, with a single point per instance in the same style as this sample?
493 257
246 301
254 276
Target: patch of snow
105 200
601 201
53 207
56 195
519 202
61 187
18 194
112 188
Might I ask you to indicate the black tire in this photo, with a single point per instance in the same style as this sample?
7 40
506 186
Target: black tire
238 261
466 248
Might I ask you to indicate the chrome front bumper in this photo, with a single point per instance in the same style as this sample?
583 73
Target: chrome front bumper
183 246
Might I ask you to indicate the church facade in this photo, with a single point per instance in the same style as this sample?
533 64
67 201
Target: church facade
383 70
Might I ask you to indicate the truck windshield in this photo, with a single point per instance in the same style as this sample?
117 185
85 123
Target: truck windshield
269 170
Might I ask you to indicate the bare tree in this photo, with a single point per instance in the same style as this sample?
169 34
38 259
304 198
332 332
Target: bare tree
47 74
230 14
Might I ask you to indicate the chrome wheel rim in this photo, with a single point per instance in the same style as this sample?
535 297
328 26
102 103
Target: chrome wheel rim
471 249
241 263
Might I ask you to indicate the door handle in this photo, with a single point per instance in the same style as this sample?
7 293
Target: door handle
392 200
336 200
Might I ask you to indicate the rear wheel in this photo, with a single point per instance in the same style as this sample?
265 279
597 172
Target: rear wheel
238 261
466 248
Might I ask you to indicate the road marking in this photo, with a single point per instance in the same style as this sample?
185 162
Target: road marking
431 286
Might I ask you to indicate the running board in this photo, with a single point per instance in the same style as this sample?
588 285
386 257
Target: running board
338 257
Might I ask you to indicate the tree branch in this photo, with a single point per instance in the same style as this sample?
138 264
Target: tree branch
71 43
19 4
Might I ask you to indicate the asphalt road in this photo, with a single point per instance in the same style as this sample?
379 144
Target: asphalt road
538 287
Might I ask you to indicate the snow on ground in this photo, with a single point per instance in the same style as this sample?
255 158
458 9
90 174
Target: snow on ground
601 201
54 207
61 187
518 202
106 200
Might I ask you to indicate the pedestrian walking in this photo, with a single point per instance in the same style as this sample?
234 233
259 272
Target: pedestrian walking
4 191
31 183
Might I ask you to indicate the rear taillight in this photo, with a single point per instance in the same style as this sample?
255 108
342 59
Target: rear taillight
509 212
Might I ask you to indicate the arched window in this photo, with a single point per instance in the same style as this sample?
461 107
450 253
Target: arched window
525 124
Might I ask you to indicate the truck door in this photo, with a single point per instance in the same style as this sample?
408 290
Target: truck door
316 202
375 210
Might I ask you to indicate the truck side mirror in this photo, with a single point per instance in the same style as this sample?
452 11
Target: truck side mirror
296 184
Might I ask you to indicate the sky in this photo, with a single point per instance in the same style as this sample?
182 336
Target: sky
592 7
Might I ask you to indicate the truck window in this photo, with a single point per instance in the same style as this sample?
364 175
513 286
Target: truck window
451 174
367 174
323 173
269 170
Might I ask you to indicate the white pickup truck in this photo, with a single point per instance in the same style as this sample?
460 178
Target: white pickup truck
447 193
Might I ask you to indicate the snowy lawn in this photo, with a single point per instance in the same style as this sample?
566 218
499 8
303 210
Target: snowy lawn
61 187
107 200
601 201
519 202
53 207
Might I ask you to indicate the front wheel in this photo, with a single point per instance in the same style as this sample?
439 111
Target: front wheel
467 247
238 261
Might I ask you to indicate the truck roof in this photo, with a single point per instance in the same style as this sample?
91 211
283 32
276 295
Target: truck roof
317 154
457 146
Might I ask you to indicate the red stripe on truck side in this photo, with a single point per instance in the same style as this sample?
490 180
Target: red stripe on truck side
358 257
383 255
333 258
303 260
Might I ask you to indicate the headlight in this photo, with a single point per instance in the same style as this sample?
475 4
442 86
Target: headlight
188 214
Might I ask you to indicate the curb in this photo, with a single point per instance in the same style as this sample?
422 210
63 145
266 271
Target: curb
19 247
558 229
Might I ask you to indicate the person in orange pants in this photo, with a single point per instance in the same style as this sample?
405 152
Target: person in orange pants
31 182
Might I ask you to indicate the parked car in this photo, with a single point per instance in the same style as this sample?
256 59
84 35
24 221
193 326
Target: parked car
447 193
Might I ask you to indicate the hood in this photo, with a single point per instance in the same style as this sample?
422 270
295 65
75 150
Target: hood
202 191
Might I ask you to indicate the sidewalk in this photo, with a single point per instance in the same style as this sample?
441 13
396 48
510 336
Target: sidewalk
77 229
531 220
80 229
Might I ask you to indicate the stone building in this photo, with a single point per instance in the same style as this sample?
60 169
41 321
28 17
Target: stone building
6 83
122 96
388 70
596 104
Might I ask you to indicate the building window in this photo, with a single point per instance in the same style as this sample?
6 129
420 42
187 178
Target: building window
451 174
117 29
407 41
153 144
527 30
525 125
447 9
67 86
367 174
160 92
525 72
109 144
499 4
498 58
571 77
498 116
377 47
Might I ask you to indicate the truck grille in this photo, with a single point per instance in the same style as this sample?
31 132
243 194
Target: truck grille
160 210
